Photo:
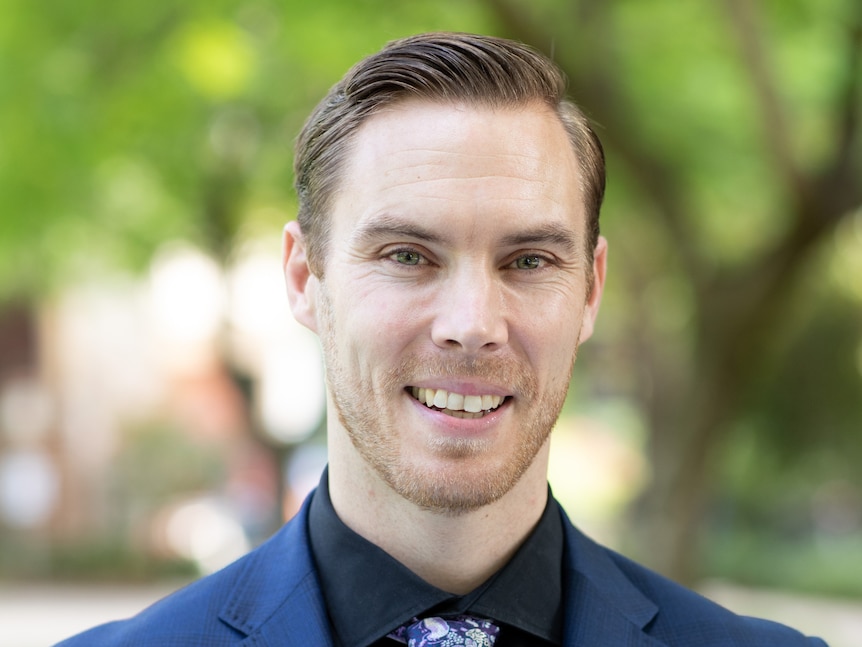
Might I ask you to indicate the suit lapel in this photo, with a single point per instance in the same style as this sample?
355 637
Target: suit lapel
300 622
277 598
592 619
602 606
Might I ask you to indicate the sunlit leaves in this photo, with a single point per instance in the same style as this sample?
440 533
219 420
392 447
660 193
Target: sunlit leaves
216 57
126 124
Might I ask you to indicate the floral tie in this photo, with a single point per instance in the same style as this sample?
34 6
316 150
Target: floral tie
460 631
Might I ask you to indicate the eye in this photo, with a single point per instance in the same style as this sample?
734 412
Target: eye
528 262
407 257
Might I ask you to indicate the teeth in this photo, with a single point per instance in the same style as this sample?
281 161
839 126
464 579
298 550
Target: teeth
473 403
456 402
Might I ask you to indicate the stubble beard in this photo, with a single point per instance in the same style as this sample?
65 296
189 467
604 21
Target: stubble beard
469 479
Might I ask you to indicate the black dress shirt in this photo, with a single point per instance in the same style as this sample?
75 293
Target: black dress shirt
368 593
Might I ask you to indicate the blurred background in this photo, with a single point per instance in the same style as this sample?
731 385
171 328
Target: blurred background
160 412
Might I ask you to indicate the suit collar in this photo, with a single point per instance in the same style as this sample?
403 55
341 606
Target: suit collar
602 606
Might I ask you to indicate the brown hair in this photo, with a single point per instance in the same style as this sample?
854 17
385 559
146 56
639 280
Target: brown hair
445 67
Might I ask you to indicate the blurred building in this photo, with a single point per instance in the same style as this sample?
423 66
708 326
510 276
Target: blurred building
152 414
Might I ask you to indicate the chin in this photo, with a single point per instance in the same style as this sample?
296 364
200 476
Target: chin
455 489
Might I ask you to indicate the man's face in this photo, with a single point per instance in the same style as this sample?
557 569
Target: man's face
454 297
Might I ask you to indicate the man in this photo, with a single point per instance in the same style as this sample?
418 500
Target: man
447 253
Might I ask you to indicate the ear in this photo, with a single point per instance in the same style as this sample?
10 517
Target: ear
302 284
594 299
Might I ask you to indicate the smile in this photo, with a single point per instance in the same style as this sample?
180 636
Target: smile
456 404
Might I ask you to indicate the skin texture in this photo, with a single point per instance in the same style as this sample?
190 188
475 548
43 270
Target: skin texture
457 261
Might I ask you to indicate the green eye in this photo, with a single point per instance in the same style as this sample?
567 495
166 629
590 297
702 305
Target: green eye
528 262
407 257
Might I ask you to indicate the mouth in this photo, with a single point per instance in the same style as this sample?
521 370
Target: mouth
456 405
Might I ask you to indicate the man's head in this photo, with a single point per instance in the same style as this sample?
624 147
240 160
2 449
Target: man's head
466 69
449 259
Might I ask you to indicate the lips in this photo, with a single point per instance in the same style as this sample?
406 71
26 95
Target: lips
456 404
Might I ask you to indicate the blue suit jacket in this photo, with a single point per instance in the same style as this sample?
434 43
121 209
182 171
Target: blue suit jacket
272 597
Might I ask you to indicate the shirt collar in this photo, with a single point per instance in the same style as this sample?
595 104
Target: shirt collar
368 593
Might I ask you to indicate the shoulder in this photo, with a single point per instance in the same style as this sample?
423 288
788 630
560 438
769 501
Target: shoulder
663 610
687 618
220 609
187 617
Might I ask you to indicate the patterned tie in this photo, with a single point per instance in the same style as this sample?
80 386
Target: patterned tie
460 631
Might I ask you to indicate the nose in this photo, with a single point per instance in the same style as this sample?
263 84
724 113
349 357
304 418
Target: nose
470 313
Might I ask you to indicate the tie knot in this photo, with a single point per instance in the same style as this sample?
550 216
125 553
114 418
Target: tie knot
459 631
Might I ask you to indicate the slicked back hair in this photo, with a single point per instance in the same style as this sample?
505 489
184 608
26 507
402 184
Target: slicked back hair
472 70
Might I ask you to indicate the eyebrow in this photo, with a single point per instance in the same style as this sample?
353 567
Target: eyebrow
386 227
549 234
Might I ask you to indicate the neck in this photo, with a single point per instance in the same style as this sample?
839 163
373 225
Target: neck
454 552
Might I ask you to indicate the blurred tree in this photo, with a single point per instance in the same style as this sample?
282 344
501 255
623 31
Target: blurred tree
734 147
735 129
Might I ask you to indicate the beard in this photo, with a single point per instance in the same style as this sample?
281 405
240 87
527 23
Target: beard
465 473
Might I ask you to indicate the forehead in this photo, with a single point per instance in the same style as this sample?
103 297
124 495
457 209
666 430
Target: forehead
434 159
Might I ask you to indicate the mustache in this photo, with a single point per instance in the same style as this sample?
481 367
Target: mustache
497 370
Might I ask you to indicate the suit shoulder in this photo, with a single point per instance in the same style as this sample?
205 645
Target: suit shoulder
687 618
187 617
220 609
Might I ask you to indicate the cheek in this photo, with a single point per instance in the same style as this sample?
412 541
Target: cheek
551 351
377 326
549 325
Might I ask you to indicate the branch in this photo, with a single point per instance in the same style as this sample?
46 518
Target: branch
852 99
838 188
835 191
744 23
823 199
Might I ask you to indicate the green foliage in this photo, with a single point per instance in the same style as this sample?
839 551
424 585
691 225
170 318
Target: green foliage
126 125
